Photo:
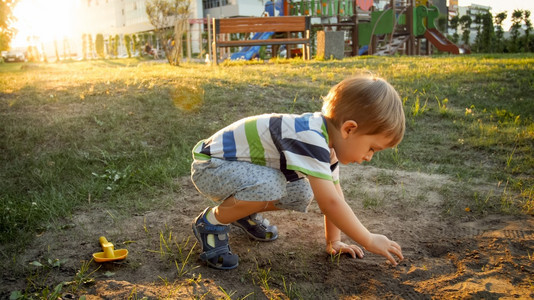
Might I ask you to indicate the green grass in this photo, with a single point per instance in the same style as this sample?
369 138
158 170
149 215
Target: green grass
116 133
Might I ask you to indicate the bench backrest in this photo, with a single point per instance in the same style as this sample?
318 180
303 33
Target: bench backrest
266 24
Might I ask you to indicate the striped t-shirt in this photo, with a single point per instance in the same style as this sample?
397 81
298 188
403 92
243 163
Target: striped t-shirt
295 144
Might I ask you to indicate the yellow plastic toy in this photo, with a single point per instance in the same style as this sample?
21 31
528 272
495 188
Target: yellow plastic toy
109 254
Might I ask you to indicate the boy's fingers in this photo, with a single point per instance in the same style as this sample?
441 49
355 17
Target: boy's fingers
359 252
396 245
397 252
349 250
391 259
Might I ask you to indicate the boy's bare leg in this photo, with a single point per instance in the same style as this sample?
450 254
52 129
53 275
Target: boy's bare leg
231 209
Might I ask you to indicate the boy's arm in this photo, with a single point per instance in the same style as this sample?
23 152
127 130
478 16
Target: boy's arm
333 236
339 213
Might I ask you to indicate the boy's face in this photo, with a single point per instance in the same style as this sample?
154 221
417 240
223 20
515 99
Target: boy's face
356 147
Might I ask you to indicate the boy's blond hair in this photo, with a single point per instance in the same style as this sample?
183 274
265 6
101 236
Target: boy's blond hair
371 102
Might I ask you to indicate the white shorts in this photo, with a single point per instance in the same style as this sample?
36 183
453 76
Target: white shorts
219 179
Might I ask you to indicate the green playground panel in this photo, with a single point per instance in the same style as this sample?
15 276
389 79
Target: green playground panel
424 17
381 21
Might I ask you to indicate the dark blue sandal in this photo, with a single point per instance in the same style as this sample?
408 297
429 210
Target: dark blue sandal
258 228
218 256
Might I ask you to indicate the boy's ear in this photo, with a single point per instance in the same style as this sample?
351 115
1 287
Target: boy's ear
348 127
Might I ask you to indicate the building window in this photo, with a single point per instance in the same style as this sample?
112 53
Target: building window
206 4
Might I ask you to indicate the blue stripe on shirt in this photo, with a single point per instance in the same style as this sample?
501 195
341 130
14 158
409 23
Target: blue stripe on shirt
229 147
302 123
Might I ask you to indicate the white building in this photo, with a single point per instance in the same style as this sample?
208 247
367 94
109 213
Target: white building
472 11
119 17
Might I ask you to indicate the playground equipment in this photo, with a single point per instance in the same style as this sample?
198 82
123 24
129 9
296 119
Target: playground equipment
402 26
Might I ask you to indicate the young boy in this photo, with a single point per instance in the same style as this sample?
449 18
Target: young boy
281 161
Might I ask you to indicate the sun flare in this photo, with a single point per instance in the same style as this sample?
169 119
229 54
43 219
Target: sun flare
43 20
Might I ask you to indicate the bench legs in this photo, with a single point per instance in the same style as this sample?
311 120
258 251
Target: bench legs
306 52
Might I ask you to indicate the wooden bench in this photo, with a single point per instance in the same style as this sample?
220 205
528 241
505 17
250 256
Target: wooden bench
291 25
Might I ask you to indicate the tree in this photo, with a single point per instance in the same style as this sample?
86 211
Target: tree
135 44
167 13
116 42
99 45
56 50
127 42
486 35
91 46
514 30
478 26
6 20
84 46
499 32
465 22
455 21
528 29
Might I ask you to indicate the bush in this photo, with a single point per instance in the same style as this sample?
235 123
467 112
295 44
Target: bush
99 45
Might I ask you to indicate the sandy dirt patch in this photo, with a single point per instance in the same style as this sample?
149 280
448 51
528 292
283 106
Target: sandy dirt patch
490 257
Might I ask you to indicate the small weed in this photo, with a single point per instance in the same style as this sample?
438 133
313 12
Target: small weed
507 200
371 201
82 277
442 105
292 110
52 294
482 202
416 109
133 295
291 290
528 200
385 178
171 249
334 258
171 287
51 263
195 279
227 296
144 225
510 157
184 266
262 277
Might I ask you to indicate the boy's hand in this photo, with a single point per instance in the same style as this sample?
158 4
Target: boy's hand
380 244
336 247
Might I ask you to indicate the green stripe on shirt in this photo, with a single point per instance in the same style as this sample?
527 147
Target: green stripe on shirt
257 152
325 133
197 154
310 172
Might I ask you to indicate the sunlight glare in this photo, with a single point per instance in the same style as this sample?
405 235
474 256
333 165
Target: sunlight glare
43 21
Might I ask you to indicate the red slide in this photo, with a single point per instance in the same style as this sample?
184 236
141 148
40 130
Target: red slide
442 43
